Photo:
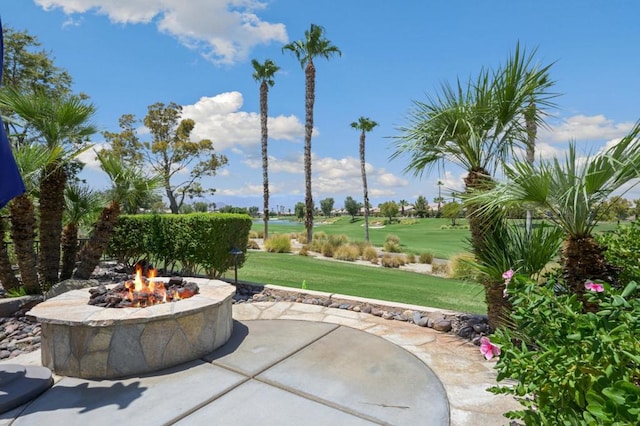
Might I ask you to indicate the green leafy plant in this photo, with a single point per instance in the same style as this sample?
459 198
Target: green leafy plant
623 250
571 367
17 292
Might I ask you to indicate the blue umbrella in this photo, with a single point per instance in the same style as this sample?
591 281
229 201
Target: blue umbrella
11 184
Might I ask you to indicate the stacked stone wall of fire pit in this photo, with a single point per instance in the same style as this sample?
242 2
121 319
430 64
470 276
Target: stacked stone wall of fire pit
92 342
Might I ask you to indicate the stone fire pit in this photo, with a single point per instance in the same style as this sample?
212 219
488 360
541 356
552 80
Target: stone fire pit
92 342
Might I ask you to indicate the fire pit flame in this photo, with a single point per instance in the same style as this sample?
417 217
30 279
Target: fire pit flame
143 291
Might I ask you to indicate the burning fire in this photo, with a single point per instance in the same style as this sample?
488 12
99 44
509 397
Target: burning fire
145 291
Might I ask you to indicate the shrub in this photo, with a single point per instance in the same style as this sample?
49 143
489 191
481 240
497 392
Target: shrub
337 240
375 261
349 252
370 253
392 238
441 269
390 261
410 258
278 243
196 240
408 221
320 235
304 251
571 367
462 267
327 249
392 247
253 234
260 233
426 258
253 245
302 238
623 250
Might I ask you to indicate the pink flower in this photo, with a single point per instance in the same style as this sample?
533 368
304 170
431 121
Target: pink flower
507 276
488 349
590 285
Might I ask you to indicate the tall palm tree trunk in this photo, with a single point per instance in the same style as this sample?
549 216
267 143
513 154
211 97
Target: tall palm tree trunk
532 131
363 170
498 307
23 224
264 113
8 278
69 250
98 241
52 205
310 86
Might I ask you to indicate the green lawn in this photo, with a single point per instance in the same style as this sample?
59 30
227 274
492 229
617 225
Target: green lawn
364 281
424 236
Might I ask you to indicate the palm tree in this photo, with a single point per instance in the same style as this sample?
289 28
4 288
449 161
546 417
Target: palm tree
477 126
31 159
59 122
7 277
364 124
82 206
571 192
264 74
313 45
128 183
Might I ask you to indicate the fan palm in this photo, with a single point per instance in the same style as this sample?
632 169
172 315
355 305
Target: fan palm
128 184
82 206
364 124
476 125
59 122
31 159
264 74
571 192
312 46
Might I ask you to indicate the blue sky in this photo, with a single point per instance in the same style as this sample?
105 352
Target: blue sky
129 55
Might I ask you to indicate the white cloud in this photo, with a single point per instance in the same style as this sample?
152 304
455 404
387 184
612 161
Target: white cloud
89 156
223 31
219 118
247 190
582 127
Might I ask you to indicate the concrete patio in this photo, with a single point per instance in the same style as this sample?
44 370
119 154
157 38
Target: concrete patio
287 364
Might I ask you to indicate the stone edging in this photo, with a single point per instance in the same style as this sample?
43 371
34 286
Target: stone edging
466 326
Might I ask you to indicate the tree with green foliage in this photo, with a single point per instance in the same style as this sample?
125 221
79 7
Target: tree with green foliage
421 207
169 153
571 193
299 210
364 124
476 125
352 207
314 45
82 207
128 182
452 211
326 206
264 73
31 159
402 204
29 69
615 208
62 124
389 209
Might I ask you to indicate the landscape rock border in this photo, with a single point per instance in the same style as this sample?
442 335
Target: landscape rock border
470 327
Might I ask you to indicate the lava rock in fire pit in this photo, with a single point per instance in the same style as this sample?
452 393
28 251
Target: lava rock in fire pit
146 293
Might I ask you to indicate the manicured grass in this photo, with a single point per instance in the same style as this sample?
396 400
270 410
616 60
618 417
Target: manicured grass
364 281
424 236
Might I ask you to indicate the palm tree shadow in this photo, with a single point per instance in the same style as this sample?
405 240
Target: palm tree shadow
87 398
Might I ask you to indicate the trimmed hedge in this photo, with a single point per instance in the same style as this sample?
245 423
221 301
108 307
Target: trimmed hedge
196 241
